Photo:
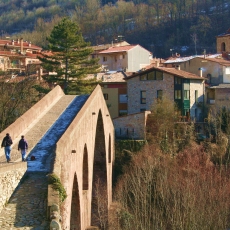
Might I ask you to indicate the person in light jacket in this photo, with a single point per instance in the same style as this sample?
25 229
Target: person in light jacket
23 146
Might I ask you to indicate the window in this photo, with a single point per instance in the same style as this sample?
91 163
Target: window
115 58
104 59
143 97
177 94
143 77
151 76
159 75
159 94
106 96
177 80
142 110
196 96
154 75
123 56
186 94
123 98
223 47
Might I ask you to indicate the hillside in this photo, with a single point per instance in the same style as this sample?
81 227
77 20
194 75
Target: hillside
159 26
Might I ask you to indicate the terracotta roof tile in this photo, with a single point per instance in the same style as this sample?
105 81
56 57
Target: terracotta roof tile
219 60
118 49
173 71
26 45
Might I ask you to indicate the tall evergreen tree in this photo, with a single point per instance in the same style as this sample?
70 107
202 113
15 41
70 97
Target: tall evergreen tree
69 59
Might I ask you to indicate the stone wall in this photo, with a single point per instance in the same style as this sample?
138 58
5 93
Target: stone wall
135 86
131 126
10 176
27 119
220 40
92 120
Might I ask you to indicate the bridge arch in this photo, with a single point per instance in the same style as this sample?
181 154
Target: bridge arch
109 150
85 172
85 150
75 219
99 173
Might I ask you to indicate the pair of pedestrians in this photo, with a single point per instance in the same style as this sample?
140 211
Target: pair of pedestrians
22 145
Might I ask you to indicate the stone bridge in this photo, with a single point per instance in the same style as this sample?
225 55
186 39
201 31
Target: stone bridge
72 140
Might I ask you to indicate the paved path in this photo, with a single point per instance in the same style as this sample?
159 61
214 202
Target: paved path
37 130
26 208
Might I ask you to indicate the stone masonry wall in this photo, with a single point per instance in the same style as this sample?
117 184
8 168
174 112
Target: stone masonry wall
68 162
10 176
220 40
131 126
135 86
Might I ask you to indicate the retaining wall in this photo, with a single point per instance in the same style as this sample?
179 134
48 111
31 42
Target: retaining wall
10 176
131 126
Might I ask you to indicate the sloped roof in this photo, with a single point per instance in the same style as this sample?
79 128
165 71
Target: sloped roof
173 71
106 46
184 59
26 45
221 61
19 55
116 49
117 77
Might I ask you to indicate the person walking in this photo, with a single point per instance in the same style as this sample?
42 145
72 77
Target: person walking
23 146
6 143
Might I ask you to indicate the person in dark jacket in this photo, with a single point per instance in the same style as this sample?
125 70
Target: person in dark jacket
23 146
6 143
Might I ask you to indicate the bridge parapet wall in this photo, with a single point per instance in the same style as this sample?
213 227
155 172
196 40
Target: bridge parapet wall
28 118
10 176
68 163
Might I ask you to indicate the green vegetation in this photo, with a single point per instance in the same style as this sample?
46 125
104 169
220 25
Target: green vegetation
157 25
57 185
174 182
69 59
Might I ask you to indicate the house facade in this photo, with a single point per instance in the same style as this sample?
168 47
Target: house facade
129 58
186 89
114 88
216 70
16 55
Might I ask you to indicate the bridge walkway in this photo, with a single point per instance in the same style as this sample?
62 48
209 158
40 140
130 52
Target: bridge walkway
26 208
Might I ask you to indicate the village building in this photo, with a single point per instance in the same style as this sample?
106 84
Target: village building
130 58
186 89
15 56
223 44
215 69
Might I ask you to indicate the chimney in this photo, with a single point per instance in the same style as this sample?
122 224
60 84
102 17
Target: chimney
200 69
21 45
40 73
178 67
13 42
18 40
29 44
157 63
